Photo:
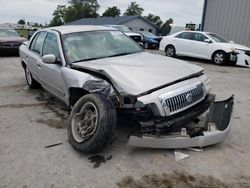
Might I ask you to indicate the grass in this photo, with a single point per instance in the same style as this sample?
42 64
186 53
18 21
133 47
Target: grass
23 32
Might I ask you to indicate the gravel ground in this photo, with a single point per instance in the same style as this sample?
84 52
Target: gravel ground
30 120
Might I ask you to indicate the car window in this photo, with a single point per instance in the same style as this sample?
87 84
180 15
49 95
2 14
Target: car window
185 35
37 42
199 37
50 45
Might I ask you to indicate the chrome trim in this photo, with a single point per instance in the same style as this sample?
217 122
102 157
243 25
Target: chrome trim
175 101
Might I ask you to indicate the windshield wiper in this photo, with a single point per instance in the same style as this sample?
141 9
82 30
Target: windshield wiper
94 58
121 54
89 59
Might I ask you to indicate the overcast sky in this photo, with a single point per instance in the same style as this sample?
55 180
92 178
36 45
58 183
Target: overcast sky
182 11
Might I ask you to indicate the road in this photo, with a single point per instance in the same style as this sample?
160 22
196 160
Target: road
30 120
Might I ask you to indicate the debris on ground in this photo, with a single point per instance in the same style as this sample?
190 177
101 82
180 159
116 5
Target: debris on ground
98 159
52 145
179 155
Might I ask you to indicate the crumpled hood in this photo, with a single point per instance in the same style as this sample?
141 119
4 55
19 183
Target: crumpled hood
236 46
140 72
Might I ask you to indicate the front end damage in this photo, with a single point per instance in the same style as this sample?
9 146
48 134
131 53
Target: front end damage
179 114
191 128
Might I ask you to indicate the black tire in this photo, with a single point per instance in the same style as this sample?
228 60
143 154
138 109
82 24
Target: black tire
146 45
219 58
31 82
105 125
170 51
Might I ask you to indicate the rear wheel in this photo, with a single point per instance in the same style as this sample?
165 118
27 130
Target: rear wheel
170 51
219 58
92 123
32 83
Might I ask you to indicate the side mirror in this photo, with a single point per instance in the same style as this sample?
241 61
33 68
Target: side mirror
207 41
49 59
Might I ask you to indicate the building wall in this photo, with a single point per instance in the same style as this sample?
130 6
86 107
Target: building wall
229 18
139 24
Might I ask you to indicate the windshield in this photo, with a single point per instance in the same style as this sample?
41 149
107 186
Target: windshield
147 34
217 38
122 28
97 44
8 33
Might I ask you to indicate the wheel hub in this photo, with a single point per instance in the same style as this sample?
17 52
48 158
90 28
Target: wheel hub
84 123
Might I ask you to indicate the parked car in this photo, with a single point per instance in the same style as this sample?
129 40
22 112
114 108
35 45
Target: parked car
205 45
10 40
123 28
100 72
150 40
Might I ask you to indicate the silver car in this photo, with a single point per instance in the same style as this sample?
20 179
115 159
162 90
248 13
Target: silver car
100 72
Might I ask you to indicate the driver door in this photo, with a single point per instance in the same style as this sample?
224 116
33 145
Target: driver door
50 74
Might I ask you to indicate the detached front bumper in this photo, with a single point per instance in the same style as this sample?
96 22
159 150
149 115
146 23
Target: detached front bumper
217 123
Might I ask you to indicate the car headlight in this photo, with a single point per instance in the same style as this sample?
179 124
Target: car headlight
238 51
208 85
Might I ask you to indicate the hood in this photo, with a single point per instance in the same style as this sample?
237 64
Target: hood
140 72
12 39
236 46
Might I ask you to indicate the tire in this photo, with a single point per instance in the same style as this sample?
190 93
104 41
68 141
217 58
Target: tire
95 115
219 58
146 45
170 51
31 82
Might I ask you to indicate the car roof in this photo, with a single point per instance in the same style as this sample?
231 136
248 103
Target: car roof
79 28
193 32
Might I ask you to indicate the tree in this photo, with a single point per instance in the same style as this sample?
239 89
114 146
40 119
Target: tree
112 12
166 27
154 19
21 21
133 9
81 9
58 16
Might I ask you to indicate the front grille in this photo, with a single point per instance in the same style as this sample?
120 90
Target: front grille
185 100
136 38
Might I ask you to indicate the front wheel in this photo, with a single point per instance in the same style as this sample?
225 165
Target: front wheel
170 51
219 58
146 45
92 123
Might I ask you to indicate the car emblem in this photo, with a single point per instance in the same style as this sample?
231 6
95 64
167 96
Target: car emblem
189 97
11 44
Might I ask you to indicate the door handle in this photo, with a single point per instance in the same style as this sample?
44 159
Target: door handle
39 66
27 57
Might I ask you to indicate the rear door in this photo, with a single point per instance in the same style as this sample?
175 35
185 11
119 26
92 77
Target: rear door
183 42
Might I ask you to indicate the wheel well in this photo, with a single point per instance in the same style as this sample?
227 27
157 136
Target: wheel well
23 65
216 52
75 94
168 46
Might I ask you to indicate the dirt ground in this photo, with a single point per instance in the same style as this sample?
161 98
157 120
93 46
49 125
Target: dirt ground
32 121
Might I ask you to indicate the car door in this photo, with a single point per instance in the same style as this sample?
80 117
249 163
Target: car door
33 57
50 74
199 48
182 43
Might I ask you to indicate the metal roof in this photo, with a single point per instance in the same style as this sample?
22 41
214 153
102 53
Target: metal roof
118 20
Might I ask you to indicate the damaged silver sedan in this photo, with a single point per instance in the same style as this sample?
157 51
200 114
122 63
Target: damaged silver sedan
100 73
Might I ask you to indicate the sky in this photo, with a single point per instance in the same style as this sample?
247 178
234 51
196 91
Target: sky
182 11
